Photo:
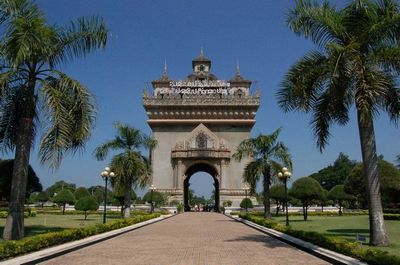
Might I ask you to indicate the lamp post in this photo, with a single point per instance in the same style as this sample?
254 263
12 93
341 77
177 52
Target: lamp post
285 175
152 188
246 188
105 174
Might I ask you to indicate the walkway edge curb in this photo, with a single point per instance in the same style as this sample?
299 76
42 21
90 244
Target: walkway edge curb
58 250
324 253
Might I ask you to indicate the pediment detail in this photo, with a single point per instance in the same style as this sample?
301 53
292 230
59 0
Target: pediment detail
202 139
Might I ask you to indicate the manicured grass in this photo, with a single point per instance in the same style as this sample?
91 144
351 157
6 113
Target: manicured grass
43 223
347 227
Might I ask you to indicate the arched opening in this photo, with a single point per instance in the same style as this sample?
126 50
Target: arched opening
201 167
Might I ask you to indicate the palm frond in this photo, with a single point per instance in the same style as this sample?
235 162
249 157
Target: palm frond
101 151
390 100
386 56
131 167
10 114
82 37
71 114
303 83
244 149
252 173
371 88
322 23
27 41
10 9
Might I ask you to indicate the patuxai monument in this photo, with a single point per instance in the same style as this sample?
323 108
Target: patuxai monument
198 122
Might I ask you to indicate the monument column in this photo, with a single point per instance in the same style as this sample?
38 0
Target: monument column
222 175
179 173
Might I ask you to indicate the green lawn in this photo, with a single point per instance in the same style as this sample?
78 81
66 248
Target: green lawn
43 223
347 227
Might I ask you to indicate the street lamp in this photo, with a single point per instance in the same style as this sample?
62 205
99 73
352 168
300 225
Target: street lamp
285 175
152 188
105 174
246 188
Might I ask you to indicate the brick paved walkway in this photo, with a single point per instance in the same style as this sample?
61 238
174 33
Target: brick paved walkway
190 239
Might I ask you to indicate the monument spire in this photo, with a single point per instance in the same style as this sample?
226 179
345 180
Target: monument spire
237 68
165 72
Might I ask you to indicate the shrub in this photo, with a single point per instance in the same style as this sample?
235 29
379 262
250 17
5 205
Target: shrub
80 193
246 203
86 204
64 197
307 190
174 203
179 207
13 248
227 203
339 195
43 197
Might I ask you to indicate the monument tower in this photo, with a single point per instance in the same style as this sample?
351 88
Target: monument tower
198 123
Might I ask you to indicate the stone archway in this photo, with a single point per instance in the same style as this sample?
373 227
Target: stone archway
201 167
200 119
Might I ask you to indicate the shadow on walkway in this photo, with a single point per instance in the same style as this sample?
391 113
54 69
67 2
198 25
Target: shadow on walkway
267 240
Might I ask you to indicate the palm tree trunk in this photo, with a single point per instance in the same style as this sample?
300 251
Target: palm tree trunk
267 204
14 227
127 200
377 230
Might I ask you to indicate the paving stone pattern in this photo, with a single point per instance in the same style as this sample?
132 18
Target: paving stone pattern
190 239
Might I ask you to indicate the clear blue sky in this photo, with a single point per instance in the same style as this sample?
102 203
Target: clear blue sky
145 33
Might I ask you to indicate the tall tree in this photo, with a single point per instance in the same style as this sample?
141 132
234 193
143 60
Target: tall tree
130 166
98 192
389 177
32 90
59 186
268 157
6 171
336 173
356 63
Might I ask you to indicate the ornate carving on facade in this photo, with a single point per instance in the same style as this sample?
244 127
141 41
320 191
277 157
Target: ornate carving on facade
200 143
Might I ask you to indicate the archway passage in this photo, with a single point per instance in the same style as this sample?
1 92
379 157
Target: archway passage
200 167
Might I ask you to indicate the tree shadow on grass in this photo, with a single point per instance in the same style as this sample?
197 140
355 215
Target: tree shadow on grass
41 229
349 233
297 221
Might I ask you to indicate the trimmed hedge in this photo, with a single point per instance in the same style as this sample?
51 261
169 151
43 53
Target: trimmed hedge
394 211
390 216
13 248
29 213
312 213
338 244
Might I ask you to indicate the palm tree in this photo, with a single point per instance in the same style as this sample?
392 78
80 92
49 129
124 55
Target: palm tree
356 63
268 156
130 166
32 90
